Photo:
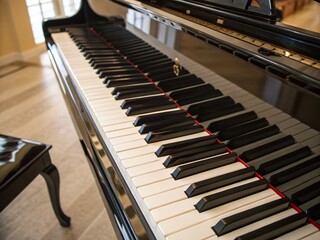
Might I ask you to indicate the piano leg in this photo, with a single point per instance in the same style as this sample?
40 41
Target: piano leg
51 175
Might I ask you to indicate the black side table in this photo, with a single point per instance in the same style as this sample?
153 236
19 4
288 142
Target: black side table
20 162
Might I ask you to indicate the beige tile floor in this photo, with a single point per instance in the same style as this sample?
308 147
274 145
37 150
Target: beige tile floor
31 106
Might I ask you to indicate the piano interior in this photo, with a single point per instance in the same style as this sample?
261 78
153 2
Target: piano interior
199 119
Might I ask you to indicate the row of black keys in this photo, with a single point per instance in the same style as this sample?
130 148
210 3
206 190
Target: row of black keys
215 105
232 128
197 153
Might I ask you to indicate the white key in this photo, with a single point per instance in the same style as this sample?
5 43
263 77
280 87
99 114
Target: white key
313 236
141 160
192 218
168 184
156 145
299 233
203 230
175 202
121 133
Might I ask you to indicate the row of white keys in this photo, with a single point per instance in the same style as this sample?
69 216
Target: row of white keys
175 202
194 220
156 187
203 230
301 233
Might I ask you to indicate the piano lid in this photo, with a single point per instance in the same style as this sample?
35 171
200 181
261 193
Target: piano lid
263 10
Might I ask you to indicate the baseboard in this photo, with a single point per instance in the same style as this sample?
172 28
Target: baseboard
10 58
24 56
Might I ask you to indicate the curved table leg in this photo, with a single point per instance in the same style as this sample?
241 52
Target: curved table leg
51 175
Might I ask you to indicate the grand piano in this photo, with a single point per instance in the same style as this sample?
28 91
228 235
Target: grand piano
199 119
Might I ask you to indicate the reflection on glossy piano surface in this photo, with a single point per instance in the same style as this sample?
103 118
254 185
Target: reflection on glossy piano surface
200 119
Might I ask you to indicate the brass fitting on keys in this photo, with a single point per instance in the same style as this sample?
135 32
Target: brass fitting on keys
176 67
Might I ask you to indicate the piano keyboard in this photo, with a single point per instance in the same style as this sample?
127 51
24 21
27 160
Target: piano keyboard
188 184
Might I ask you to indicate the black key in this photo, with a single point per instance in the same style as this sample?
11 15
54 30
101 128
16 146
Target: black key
284 160
148 58
165 75
300 183
148 63
180 82
111 60
306 194
110 65
231 121
276 229
219 112
165 125
267 148
84 47
219 181
220 198
124 75
249 216
159 136
124 89
176 147
195 94
104 56
125 81
120 76
314 212
252 137
137 92
162 70
294 172
203 107
93 47
101 54
157 103
156 117
194 154
114 70
147 106
131 111
135 49
133 55
118 72
129 43
238 130
204 165
159 67
143 101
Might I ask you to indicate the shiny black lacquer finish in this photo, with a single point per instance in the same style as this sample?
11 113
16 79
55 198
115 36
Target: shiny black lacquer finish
306 43
20 162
